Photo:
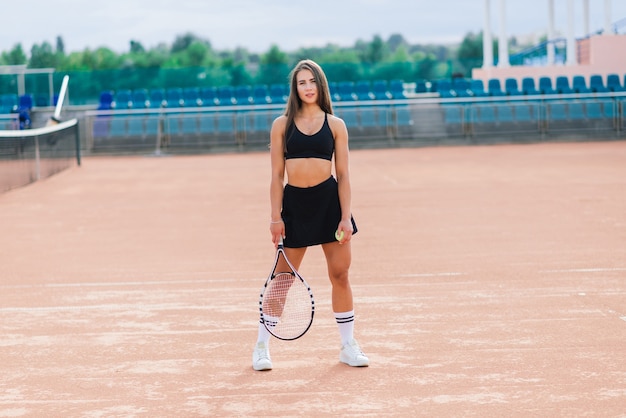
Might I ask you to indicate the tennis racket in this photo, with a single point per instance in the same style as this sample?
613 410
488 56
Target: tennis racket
286 303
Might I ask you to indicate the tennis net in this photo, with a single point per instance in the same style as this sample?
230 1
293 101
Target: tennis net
29 155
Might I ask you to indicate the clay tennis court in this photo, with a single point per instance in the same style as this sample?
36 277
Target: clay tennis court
488 281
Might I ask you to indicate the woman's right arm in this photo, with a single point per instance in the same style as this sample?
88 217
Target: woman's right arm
277 134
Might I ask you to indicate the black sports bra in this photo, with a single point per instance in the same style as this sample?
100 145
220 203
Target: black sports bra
319 145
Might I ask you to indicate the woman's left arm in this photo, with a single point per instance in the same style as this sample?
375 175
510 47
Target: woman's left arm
342 170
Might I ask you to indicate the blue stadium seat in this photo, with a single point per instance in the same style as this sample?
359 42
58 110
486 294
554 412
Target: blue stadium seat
106 100
580 85
528 87
562 85
226 96
260 94
42 100
477 88
596 84
396 89
139 97
510 87
613 83
494 87
174 97
208 96
421 87
334 94
191 97
4 108
363 90
24 107
345 89
8 103
243 95
545 86
279 93
25 102
444 88
461 87
123 99
157 98
380 90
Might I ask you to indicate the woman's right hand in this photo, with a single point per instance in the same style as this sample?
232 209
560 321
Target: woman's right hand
277 229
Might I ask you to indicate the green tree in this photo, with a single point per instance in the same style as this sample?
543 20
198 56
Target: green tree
471 47
274 67
42 56
60 46
375 51
196 53
424 66
15 56
136 47
183 42
396 41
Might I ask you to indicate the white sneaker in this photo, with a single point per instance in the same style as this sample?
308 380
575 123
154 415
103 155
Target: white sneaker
352 355
261 357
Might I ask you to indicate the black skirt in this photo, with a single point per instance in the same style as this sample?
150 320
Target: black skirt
311 214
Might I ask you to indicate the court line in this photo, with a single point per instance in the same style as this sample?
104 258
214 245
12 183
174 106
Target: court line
444 274
116 307
585 270
124 284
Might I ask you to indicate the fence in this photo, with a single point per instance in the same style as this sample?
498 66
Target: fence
370 123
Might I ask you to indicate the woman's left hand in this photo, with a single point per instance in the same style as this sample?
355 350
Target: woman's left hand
345 227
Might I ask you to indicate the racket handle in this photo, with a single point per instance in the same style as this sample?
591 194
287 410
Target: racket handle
280 242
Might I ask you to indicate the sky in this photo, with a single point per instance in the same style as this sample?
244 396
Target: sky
258 24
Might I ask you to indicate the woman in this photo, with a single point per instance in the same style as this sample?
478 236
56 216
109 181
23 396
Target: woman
313 205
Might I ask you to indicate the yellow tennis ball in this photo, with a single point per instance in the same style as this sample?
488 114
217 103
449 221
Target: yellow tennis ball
339 235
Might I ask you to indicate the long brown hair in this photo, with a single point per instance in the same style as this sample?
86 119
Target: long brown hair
294 103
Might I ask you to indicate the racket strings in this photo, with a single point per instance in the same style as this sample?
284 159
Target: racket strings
287 306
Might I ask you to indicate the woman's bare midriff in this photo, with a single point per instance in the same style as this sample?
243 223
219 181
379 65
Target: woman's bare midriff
307 172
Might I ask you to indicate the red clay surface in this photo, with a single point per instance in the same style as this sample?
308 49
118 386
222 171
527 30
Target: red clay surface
488 281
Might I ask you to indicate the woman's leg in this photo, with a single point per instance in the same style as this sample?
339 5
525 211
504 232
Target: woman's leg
338 258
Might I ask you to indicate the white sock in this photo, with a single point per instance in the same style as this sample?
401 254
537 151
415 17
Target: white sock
264 334
345 321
